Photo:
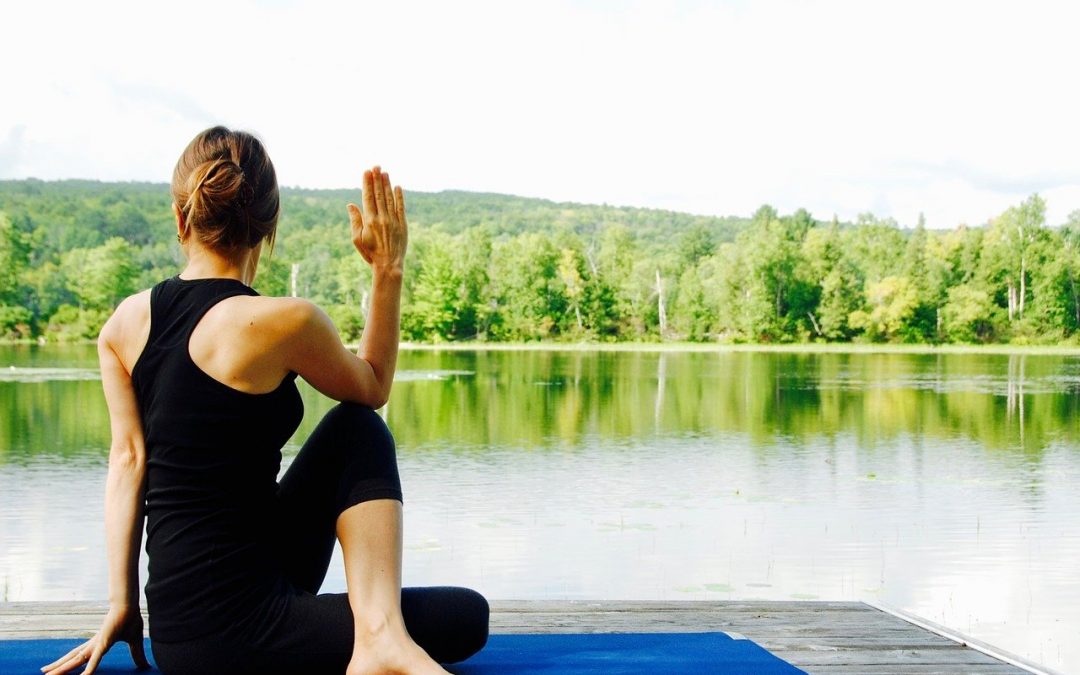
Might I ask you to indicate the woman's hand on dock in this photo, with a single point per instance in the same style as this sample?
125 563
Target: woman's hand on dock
379 231
118 626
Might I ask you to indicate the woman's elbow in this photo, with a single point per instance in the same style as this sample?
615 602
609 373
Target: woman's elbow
127 459
375 400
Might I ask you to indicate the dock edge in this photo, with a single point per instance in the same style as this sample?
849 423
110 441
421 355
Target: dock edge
957 636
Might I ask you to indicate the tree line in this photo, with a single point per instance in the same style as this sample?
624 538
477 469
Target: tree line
500 268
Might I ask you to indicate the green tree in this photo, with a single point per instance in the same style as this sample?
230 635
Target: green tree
1053 312
922 326
431 312
14 258
891 303
526 293
695 244
873 245
969 315
100 277
838 281
1007 258
693 316
770 256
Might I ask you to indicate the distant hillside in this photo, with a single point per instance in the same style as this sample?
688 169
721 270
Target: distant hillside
86 213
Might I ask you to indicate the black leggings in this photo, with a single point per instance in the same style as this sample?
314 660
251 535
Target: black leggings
348 459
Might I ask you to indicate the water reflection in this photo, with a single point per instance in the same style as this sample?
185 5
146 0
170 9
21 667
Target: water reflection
941 483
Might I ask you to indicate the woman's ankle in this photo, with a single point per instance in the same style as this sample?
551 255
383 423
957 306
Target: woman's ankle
373 624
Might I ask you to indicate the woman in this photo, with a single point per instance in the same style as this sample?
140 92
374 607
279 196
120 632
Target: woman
199 376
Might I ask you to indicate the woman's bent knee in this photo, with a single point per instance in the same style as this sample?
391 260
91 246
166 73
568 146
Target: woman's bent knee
449 622
369 457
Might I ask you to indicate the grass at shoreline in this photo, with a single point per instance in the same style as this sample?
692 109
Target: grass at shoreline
805 348
826 348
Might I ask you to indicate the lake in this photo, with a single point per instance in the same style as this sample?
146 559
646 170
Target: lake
943 484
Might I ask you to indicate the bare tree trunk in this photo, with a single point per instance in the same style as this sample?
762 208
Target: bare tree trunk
1076 301
1023 284
591 259
293 274
1012 301
660 304
817 328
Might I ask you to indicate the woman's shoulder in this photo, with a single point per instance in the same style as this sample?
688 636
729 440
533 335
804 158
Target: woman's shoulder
269 316
133 311
285 309
126 331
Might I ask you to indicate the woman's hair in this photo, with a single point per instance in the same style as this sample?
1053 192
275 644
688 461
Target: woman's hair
225 186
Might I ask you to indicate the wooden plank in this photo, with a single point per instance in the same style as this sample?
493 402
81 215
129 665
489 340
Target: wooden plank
820 637
911 669
971 643
869 657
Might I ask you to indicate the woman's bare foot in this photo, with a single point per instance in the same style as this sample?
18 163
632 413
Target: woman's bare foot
388 650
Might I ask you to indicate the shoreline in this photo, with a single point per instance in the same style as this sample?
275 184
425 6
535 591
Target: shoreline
806 348
667 347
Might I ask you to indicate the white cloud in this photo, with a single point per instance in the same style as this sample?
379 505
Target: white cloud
952 109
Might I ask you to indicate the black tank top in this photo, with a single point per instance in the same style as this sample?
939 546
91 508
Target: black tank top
213 455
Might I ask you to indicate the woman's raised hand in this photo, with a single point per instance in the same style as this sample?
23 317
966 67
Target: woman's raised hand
379 232
118 626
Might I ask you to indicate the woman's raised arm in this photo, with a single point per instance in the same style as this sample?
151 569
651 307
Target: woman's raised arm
380 235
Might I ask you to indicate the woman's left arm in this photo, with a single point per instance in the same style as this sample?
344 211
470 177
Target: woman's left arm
124 499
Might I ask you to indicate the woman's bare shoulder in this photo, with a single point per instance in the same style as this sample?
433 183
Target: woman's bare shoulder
263 322
275 313
126 331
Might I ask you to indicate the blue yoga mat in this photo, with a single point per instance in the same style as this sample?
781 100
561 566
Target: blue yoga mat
549 654
623 654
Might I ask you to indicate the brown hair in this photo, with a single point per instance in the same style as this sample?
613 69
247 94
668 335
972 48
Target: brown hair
226 188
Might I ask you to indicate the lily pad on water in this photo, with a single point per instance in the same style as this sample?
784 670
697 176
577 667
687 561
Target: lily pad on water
719 588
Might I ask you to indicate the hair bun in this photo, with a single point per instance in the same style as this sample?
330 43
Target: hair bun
227 190
213 190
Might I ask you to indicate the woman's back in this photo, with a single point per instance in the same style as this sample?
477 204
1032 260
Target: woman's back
213 455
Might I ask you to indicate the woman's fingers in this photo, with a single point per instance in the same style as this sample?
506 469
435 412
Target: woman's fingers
66 657
95 658
380 191
356 220
356 216
379 229
388 190
68 666
399 201
368 189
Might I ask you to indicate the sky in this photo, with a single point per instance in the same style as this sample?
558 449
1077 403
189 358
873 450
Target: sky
952 109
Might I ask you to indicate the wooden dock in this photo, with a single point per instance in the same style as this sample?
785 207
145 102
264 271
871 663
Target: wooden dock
819 637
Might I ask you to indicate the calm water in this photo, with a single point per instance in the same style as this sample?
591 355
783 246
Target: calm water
942 484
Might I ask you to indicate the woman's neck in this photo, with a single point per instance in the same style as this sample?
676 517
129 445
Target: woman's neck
204 263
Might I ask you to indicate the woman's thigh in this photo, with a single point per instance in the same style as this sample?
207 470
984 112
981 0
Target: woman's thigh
349 458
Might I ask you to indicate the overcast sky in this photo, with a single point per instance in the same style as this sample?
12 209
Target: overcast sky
954 109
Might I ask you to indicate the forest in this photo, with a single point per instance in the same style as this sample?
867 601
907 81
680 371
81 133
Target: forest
498 268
